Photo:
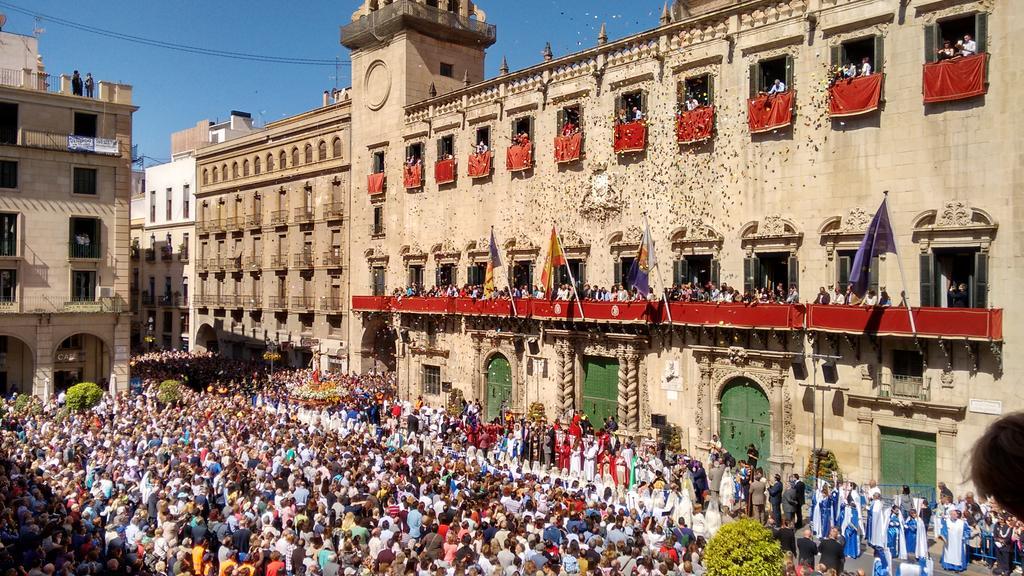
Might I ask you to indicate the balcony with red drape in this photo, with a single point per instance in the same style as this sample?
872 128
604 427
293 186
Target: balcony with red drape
375 183
444 171
480 165
412 176
520 157
853 96
770 112
630 137
695 125
567 148
955 79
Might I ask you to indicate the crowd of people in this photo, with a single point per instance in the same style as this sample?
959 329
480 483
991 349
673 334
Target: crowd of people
240 479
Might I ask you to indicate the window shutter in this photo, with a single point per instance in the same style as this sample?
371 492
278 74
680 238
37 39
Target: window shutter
981 31
410 280
643 102
618 104
440 149
711 89
843 272
437 275
879 61
873 275
837 55
676 272
529 127
750 266
927 272
794 272
513 133
979 290
789 73
618 271
930 42
755 79
581 276
716 271
579 116
684 270
560 122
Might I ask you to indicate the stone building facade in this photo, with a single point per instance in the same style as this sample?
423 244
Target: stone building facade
65 184
271 239
768 195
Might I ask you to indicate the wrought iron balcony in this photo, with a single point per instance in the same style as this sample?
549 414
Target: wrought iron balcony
303 215
90 251
254 220
304 259
334 211
909 387
331 304
279 218
278 261
302 302
333 258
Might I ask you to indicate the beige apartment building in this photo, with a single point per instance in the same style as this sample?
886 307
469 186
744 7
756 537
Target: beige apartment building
65 183
739 187
272 237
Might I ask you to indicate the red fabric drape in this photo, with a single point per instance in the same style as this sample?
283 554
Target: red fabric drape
766 113
852 96
520 157
695 125
412 176
479 164
375 183
956 79
567 148
630 137
444 171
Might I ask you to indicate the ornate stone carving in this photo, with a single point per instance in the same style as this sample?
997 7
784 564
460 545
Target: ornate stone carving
954 214
632 391
856 220
789 426
571 238
565 364
703 384
602 200
772 225
737 355
623 395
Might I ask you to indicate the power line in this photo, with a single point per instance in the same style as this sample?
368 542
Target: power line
175 46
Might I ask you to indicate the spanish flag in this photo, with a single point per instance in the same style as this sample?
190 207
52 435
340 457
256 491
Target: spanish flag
556 258
493 261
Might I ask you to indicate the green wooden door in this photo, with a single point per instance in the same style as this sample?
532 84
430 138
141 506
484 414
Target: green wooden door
600 389
746 420
499 385
907 457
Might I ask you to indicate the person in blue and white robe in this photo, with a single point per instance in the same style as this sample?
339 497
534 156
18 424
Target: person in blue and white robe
851 528
923 569
954 533
917 537
895 536
883 562
821 513
877 524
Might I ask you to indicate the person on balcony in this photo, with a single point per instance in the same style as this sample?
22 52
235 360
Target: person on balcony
638 114
622 117
569 128
794 295
482 148
884 299
778 87
957 296
969 47
865 66
822 297
870 299
946 52
850 71
692 103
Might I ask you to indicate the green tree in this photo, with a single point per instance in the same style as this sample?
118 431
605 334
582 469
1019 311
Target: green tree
83 396
169 392
743 548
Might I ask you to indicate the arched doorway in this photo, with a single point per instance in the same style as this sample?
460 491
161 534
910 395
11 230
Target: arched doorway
378 346
17 366
745 420
80 358
206 339
499 384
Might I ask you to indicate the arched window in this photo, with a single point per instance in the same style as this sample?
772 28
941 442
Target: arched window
224 171
245 167
256 165
282 162
321 150
270 162
295 156
307 153
234 170
336 145
206 176
214 173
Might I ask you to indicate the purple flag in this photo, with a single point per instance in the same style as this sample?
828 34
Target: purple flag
879 239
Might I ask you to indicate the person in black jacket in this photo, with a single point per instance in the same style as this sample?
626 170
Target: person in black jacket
831 550
801 495
787 537
806 548
775 499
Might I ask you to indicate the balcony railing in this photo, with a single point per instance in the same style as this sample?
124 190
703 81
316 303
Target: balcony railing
910 387
303 215
171 300
252 262
390 18
279 217
231 301
232 223
302 302
166 255
83 251
233 263
277 302
150 255
9 306
331 304
333 259
253 302
278 261
254 220
215 264
147 298
334 211
304 259
8 248
183 256
68 142
20 78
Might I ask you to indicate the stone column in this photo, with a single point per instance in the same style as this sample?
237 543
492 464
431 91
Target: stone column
781 454
623 396
946 459
480 370
633 391
866 439
702 415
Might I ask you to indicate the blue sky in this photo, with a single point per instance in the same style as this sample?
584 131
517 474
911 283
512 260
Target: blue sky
174 89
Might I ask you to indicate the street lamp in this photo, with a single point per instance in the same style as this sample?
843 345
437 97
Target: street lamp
149 336
272 354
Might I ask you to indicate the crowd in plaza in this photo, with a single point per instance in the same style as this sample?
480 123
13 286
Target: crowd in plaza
240 478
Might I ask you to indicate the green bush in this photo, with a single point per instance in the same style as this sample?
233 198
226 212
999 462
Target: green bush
169 392
83 396
743 548
26 404
828 466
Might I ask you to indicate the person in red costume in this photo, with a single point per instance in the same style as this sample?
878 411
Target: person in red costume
564 450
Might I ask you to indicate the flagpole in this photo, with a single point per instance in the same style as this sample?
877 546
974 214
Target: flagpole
664 297
508 275
903 277
572 281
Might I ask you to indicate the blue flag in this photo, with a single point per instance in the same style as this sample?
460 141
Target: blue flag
640 272
879 239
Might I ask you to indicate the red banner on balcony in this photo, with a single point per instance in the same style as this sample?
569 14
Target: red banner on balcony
567 148
630 137
480 165
444 171
955 79
375 183
412 176
853 96
971 323
766 113
779 316
520 157
695 125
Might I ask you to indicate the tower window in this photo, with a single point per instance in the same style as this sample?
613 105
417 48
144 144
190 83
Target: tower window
447 70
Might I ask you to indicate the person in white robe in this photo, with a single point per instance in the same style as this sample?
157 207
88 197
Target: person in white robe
685 509
713 517
954 533
576 460
878 522
700 526
590 460
727 490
